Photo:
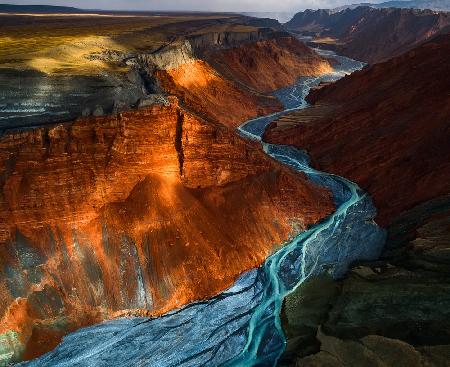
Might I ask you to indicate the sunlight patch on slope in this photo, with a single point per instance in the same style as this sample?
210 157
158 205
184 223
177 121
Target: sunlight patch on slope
74 56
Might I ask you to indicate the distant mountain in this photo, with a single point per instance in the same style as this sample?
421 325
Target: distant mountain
369 34
39 9
439 5
282 17
262 21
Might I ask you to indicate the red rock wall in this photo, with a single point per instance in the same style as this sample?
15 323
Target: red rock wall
232 85
269 65
204 91
137 213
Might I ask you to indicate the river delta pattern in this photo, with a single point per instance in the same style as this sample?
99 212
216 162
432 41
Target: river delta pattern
242 326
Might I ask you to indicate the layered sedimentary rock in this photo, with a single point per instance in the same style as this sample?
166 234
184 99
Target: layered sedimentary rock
228 86
229 38
385 127
268 65
350 32
135 213
209 94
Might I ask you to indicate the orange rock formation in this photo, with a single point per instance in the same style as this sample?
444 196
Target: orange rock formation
209 94
231 86
137 213
270 64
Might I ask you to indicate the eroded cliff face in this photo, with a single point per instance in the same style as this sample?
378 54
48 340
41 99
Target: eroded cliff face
135 213
268 65
385 127
212 96
232 80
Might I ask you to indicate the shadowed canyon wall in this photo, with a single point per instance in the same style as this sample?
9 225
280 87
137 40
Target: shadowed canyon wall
385 127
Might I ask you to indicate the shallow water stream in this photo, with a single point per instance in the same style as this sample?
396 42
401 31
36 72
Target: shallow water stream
241 326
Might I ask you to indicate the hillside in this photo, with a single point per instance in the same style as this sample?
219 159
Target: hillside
385 127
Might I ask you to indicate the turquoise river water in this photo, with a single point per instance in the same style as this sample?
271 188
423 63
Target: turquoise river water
241 326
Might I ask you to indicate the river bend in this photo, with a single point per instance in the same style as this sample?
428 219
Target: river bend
241 326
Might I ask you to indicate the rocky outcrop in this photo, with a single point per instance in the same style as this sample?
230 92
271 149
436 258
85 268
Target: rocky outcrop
135 213
392 311
213 40
169 57
385 127
195 47
350 32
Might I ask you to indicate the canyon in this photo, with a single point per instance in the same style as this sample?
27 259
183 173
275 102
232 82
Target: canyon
140 211
241 325
242 77
111 196
380 128
405 130
195 189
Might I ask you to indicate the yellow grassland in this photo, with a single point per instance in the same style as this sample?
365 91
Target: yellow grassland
63 43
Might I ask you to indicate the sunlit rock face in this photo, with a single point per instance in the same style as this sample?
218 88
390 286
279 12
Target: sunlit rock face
240 326
231 86
135 213
385 127
268 65
211 95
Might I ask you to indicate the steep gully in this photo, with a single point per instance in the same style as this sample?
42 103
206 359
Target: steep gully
241 326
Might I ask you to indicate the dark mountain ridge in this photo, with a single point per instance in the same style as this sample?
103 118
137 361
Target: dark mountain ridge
39 9
440 5
351 31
